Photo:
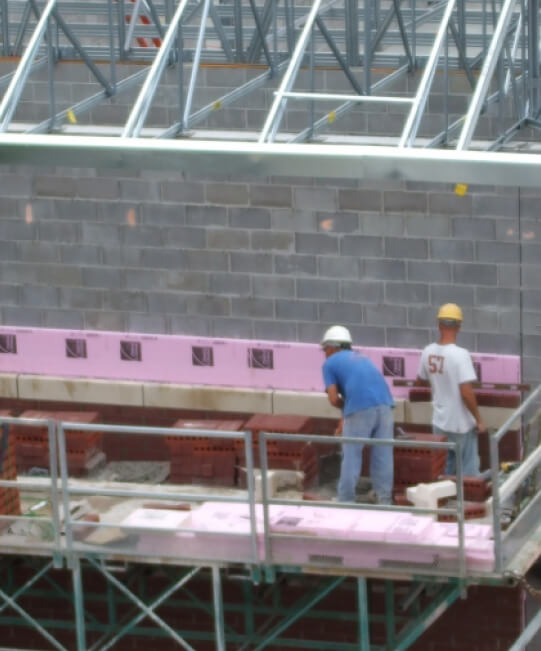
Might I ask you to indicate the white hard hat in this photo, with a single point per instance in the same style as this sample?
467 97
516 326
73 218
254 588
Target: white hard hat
337 335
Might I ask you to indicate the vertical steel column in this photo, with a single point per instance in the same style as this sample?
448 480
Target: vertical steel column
131 25
218 609
112 51
5 27
51 62
16 86
352 32
362 611
367 58
389 614
78 602
533 56
239 40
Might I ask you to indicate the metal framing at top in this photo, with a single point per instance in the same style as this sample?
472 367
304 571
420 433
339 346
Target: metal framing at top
494 46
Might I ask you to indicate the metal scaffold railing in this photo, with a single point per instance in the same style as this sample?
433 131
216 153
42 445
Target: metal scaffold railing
206 534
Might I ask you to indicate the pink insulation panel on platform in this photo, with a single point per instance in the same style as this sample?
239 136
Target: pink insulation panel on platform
309 535
205 361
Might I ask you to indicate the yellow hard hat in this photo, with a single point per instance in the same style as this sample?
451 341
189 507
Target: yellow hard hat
450 312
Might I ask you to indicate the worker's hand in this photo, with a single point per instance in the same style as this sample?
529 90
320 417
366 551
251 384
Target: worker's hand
338 430
481 427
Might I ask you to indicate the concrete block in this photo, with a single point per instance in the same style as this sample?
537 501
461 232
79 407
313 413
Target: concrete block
78 390
59 231
431 272
234 194
406 293
97 188
316 243
495 206
387 225
402 201
251 262
362 246
206 215
230 283
474 229
501 344
317 288
361 291
163 213
15 185
76 253
418 412
497 297
165 303
449 204
100 234
407 338
187 237
9 294
99 320
406 248
8 386
105 277
340 312
428 226
295 265
275 330
39 296
182 192
190 325
200 260
54 186
63 319
232 328
142 236
249 218
531 276
481 274
119 212
315 199
21 316
303 403
139 190
343 267
208 305
259 308
296 310
421 317
273 286
360 200
152 258
151 323
11 229
385 315
273 241
293 220
531 253
207 397
462 295
81 298
501 252
30 251
384 269
341 222
69 209
447 250
274 196
228 239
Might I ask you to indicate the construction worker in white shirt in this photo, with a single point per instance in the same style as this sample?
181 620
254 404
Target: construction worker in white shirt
449 370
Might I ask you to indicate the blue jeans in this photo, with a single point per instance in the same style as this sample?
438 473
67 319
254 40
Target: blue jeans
375 423
470 452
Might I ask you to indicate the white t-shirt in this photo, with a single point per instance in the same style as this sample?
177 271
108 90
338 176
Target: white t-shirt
446 367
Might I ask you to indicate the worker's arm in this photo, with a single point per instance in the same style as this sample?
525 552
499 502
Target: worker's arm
468 396
335 398
419 382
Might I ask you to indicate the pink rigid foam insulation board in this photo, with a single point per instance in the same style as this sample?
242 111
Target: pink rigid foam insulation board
205 361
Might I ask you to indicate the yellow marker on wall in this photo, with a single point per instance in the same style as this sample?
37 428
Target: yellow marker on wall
332 117
71 117
461 189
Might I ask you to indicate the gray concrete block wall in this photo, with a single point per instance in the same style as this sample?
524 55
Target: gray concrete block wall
155 252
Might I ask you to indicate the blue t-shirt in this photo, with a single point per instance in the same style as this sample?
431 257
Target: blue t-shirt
358 381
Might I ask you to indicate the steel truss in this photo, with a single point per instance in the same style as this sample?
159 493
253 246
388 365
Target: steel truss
495 46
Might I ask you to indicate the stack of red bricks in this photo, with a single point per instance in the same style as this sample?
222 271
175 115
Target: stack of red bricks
204 459
9 497
283 455
82 448
415 465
